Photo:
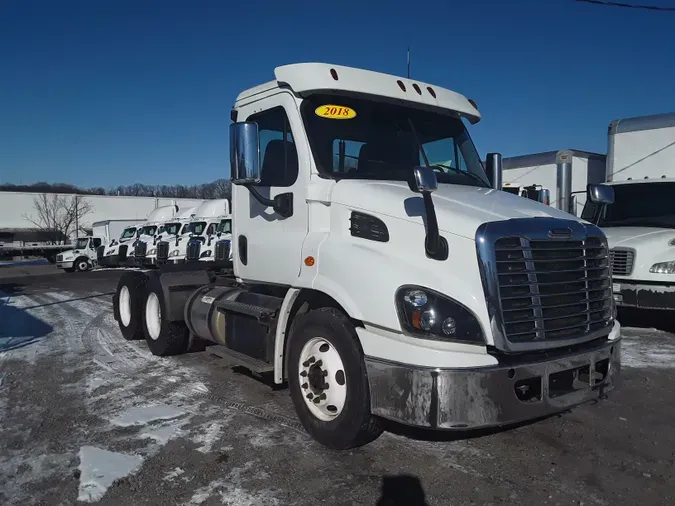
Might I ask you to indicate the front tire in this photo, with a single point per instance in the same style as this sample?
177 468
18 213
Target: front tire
127 304
164 337
328 380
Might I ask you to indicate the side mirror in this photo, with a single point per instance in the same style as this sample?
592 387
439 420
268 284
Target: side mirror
424 180
600 193
244 153
493 167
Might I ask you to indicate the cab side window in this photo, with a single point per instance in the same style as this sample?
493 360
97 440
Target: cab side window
278 155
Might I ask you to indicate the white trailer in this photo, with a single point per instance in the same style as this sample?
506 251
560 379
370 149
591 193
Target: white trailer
379 283
640 224
84 255
565 173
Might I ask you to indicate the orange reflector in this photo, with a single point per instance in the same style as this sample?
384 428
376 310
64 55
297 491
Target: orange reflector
309 261
416 319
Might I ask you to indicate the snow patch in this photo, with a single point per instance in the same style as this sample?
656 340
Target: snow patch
163 434
99 469
644 353
173 474
232 492
141 415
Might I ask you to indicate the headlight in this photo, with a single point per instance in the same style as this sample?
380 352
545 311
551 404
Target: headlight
174 253
207 253
663 268
430 315
152 252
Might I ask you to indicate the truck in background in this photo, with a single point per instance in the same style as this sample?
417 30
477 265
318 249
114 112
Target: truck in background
640 224
167 232
201 232
83 256
108 254
388 287
121 252
566 173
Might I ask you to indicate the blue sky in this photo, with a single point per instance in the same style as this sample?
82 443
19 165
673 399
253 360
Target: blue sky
101 93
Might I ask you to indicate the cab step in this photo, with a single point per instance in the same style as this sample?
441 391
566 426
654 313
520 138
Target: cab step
241 359
260 313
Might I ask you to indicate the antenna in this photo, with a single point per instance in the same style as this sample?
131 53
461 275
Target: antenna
408 62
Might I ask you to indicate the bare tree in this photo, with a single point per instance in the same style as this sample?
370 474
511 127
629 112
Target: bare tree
58 214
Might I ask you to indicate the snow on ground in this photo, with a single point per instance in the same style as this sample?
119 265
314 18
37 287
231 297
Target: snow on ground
109 409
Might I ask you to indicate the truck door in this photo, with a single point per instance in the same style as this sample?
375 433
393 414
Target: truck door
266 246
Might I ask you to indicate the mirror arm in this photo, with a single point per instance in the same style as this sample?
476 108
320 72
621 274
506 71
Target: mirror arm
436 247
282 203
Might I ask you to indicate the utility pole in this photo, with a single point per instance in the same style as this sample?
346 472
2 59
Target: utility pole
77 223
408 62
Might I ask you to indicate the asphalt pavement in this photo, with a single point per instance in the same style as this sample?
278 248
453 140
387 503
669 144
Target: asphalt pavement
86 416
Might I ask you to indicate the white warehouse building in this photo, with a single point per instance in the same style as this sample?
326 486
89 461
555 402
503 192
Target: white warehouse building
18 212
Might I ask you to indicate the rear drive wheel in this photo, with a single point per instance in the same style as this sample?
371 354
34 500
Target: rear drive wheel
163 337
328 380
127 304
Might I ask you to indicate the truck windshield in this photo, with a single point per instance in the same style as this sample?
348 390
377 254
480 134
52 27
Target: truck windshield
149 230
637 205
82 243
357 138
197 227
128 233
225 227
172 228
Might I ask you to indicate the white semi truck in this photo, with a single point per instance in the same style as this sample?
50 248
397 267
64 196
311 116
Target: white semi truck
121 253
108 255
640 224
167 232
557 178
198 242
378 282
83 256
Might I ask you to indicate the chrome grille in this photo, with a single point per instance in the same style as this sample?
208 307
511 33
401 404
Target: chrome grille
59 258
622 261
162 250
193 247
141 249
553 290
222 251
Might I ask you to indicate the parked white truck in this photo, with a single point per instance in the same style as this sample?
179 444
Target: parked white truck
108 255
198 241
640 224
559 176
167 232
121 253
380 284
83 256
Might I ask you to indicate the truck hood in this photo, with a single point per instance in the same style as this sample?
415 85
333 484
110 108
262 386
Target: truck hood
460 209
634 237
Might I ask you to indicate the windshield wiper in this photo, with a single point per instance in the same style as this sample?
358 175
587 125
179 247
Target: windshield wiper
460 171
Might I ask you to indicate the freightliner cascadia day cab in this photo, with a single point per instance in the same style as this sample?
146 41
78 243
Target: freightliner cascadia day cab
377 270
167 232
640 224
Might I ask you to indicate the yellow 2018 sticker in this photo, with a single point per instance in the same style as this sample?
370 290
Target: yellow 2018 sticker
335 112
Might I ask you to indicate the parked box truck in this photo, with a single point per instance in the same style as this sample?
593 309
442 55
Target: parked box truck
640 224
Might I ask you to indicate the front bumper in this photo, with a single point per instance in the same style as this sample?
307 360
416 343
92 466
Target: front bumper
110 261
68 264
644 295
492 396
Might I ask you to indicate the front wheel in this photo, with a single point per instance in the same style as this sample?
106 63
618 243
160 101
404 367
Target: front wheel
328 380
82 264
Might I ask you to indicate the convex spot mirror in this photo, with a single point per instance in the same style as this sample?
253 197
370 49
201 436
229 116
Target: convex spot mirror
244 153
